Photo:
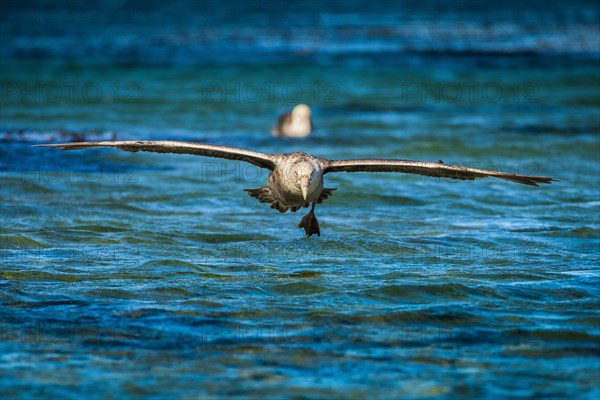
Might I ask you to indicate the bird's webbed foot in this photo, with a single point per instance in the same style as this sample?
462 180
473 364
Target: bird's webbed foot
310 224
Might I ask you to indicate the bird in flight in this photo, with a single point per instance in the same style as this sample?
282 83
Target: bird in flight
296 179
296 123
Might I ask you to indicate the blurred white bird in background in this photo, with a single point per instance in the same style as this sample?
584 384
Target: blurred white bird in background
296 123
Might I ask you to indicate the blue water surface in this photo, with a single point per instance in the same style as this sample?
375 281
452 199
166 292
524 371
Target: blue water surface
147 275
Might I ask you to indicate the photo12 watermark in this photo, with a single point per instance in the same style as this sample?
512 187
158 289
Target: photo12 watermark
469 92
268 13
74 172
69 92
216 330
70 12
269 91
269 251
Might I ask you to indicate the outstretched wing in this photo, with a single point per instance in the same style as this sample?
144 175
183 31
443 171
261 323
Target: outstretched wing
230 153
438 169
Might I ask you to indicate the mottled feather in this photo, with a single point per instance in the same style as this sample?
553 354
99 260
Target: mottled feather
288 187
437 169
163 146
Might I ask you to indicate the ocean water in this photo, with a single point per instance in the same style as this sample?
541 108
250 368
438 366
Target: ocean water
129 275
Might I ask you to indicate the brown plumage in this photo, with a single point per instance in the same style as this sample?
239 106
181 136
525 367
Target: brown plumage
296 179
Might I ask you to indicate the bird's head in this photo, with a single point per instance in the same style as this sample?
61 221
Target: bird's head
301 112
305 177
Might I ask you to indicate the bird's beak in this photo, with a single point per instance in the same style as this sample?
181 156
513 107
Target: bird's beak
304 186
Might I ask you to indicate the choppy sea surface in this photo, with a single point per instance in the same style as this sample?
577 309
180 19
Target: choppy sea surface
144 275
